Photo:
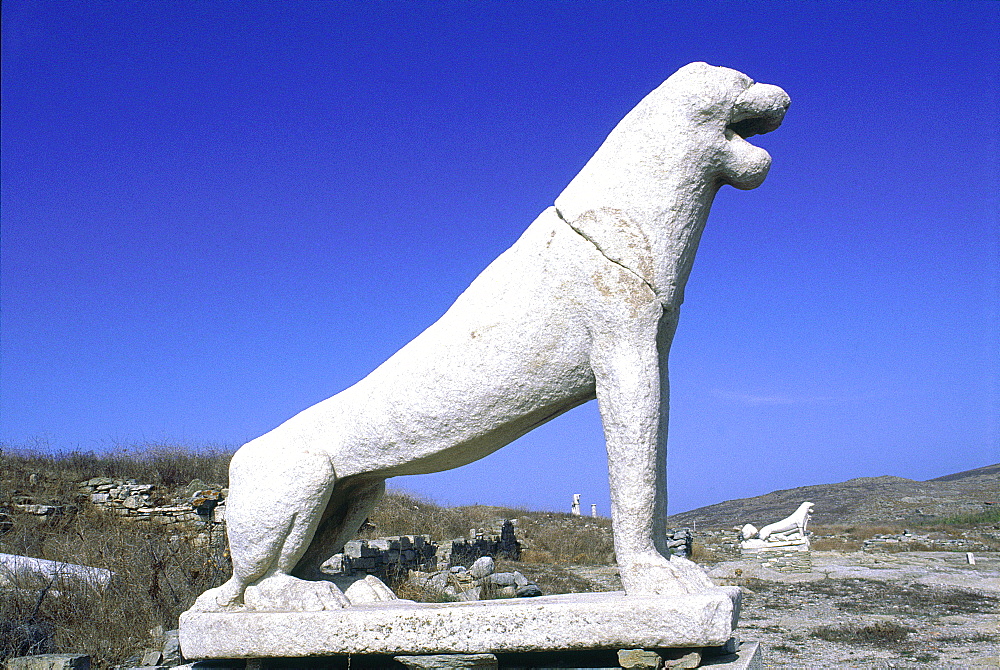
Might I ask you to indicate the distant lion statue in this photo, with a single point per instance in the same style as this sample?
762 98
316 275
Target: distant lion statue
583 305
790 530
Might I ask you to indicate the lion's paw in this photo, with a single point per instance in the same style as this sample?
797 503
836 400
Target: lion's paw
215 600
659 576
284 593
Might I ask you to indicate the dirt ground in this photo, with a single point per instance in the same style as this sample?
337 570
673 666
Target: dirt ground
864 610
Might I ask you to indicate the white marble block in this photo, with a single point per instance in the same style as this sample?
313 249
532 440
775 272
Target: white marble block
548 623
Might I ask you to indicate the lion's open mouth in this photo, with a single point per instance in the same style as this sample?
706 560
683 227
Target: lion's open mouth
759 109
757 125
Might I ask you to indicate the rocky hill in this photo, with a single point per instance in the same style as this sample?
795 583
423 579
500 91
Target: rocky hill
866 500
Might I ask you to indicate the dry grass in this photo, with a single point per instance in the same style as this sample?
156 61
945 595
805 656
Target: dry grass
987 517
835 544
551 579
164 465
158 572
401 513
157 577
410 591
855 533
566 539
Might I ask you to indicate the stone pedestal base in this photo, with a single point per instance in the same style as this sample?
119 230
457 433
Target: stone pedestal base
783 560
549 623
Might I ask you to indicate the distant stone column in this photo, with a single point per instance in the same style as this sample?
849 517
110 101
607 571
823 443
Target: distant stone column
576 505
593 510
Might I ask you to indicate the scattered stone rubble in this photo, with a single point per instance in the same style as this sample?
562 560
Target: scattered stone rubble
794 560
478 582
39 510
467 569
165 652
30 505
50 662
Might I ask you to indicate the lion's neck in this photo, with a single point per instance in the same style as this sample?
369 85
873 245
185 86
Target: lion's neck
654 235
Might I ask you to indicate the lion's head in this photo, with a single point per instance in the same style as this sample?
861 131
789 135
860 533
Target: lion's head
689 132
643 198
722 108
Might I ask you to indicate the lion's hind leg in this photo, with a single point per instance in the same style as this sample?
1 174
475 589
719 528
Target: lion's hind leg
277 497
351 502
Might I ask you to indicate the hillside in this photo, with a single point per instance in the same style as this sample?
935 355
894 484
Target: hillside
988 470
865 500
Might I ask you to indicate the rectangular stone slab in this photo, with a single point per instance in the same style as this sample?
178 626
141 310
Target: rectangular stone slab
547 623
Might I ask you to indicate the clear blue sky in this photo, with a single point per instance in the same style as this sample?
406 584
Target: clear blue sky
215 214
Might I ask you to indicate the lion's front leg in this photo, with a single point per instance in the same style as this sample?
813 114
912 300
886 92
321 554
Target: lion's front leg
632 393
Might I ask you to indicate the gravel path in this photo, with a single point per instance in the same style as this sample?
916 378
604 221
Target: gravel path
864 610
861 610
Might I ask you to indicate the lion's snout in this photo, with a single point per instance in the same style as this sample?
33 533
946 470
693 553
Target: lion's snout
758 110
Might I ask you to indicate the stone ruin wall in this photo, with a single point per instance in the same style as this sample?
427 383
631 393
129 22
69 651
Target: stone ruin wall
388 558
505 545
194 506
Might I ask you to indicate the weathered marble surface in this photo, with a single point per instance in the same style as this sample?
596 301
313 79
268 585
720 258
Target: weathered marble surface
583 305
14 567
547 623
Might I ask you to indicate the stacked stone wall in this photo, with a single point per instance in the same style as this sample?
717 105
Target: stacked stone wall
680 542
196 505
908 541
388 558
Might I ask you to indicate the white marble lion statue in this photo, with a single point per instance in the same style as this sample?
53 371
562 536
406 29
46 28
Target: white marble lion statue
583 305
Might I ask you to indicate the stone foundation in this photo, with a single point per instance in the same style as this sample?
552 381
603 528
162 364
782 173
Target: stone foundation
784 560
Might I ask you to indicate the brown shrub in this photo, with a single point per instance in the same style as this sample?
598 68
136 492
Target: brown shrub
882 633
157 575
